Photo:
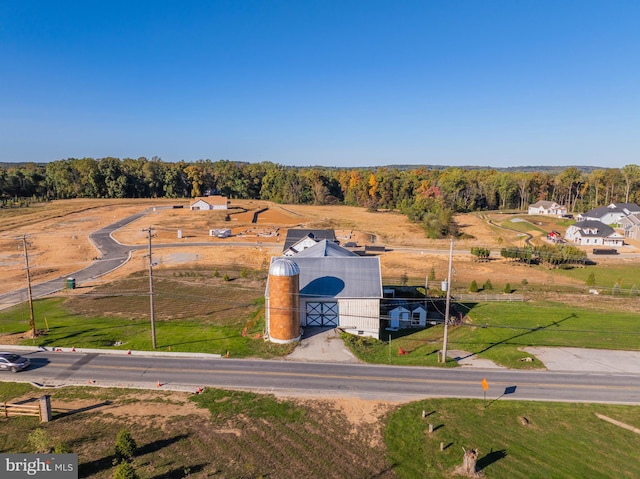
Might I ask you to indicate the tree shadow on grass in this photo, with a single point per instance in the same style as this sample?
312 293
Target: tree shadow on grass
528 331
488 459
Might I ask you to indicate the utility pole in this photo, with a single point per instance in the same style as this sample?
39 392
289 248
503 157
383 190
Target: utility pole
446 309
151 305
32 321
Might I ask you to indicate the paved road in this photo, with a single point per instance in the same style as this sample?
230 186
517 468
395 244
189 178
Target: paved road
290 378
112 255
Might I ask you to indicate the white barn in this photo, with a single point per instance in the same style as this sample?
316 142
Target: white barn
338 288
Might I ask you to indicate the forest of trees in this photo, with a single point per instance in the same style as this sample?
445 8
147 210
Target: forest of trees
429 196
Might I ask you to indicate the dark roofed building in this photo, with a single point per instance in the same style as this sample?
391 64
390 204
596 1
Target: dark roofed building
299 239
593 233
611 214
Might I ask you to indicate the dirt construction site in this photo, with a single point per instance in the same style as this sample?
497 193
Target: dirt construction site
56 236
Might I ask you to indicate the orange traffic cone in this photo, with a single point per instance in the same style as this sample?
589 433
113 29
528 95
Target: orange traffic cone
159 384
129 352
73 349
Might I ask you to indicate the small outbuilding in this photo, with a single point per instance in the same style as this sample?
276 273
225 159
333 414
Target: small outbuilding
408 315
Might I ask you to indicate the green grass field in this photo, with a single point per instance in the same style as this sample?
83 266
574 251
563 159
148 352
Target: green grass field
555 441
497 331
241 337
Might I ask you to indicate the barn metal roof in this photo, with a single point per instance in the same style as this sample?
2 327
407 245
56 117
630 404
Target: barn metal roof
340 276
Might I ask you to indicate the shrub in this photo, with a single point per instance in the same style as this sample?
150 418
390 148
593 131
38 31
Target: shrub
507 288
473 288
487 285
125 446
226 277
39 441
404 279
125 471
591 279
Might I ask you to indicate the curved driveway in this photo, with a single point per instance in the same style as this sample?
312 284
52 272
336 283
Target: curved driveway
113 255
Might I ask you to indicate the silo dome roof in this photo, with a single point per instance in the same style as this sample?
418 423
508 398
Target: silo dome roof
284 267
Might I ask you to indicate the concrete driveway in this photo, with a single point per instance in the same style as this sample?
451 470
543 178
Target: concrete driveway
322 345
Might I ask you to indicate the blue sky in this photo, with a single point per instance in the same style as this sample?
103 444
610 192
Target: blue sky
336 83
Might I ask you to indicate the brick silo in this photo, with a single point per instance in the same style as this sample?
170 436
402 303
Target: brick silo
283 316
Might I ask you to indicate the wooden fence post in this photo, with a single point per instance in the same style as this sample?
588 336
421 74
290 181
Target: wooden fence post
45 408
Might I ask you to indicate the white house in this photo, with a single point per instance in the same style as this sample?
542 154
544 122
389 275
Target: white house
631 226
215 202
299 239
593 233
337 288
611 214
408 315
543 207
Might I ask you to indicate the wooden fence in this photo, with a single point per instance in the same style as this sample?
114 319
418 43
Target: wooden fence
42 410
489 297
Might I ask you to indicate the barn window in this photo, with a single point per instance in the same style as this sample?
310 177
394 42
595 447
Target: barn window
415 318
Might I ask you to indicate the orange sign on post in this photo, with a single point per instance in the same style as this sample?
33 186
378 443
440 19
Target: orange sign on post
485 384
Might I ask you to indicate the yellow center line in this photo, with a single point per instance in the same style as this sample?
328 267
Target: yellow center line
375 378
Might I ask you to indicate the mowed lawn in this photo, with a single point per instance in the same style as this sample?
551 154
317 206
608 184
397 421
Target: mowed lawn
499 331
516 439
188 317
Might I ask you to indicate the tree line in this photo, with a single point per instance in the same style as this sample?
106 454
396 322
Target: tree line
427 195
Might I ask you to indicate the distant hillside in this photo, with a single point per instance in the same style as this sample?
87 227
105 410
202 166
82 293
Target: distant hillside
510 169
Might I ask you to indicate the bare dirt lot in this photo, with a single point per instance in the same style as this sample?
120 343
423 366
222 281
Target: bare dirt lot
57 238
176 438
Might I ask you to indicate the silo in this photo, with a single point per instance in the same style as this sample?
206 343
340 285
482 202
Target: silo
283 321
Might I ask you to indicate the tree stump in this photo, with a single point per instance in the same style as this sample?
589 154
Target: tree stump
469 461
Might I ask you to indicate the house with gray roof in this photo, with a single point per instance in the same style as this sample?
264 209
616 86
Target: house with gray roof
543 207
611 214
338 288
299 239
593 233
631 226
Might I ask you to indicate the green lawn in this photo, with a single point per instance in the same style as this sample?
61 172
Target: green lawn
63 328
497 331
556 440
607 276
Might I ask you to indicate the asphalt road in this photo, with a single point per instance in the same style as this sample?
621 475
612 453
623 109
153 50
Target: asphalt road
112 255
289 378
